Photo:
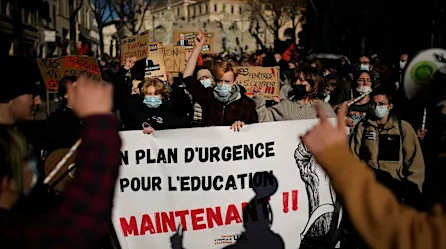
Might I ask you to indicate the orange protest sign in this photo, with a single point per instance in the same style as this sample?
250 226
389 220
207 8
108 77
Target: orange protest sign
55 69
135 46
249 77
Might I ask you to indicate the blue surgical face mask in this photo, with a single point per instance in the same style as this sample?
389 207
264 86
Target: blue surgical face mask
380 111
223 89
152 101
206 82
364 67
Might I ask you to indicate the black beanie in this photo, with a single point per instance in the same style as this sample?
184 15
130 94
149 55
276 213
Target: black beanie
18 77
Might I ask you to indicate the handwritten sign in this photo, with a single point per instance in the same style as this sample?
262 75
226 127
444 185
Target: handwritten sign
174 58
135 46
249 77
55 69
189 38
155 62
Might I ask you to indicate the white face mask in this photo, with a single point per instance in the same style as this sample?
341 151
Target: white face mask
403 64
380 111
364 67
364 89
206 82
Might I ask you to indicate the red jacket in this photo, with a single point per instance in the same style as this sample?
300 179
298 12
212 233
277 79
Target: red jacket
83 217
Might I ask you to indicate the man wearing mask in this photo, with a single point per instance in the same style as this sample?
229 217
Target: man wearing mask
400 69
224 104
364 64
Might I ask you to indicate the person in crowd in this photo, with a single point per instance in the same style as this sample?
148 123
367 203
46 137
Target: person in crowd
156 113
399 70
364 64
224 104
19 103
83 216
329 87
376 213
390 145
208 81
63 126
308 86
358 110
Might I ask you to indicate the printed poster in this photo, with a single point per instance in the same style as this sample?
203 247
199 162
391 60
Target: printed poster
186 39
155 62
55 69
250 77
135 46
219 189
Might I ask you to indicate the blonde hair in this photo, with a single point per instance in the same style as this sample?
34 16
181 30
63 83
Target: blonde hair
223 67
160 87
13 152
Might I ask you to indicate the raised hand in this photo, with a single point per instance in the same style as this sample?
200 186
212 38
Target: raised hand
89 97
200 39
324 134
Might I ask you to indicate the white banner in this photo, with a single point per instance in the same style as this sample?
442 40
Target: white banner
214 188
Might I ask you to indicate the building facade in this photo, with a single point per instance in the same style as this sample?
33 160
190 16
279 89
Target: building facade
46 32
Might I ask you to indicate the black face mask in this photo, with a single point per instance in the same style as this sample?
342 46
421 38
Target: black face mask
299 92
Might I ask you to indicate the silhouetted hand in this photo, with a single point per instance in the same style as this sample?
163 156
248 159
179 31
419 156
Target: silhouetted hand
176 241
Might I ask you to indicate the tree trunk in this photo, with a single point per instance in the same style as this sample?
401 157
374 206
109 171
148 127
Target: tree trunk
73 17
17 29
101 39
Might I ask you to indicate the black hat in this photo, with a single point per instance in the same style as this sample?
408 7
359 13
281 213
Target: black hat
13 85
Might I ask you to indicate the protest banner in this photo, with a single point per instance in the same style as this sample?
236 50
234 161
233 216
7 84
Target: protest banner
155 62
174 58
215 188
135 46
189 38
249 77
54 69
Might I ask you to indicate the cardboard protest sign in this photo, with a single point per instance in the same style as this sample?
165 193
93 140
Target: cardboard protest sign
174 58
186 39
268 191
135 46
55 69
155 62
249 77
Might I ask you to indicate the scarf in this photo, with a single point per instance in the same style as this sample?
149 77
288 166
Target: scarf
233 95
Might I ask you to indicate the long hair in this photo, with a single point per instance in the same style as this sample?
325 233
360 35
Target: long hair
13 152
315 80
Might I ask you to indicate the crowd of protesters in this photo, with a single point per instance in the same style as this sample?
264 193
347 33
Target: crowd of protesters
386 132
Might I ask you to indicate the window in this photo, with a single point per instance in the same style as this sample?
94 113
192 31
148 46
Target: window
240 10
215 8
200 10
206 8
232 9
88 18
178 11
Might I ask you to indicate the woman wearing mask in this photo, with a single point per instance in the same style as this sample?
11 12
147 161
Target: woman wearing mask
207 80
300 106
154 111
224 104
358 110
391 148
